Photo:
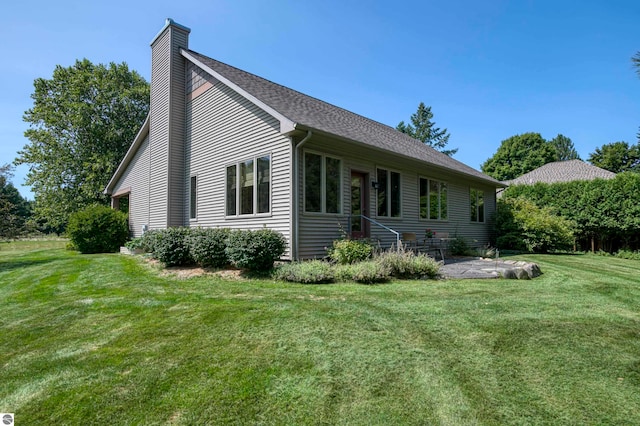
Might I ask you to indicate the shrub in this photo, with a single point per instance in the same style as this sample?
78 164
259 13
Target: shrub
350 251
311 272
171 246
406 264
628 254
367 272
98 229
207 246
134 244
255 250
459 247
149 240
519 222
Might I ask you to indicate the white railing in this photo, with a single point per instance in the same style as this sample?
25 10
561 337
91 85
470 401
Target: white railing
375 222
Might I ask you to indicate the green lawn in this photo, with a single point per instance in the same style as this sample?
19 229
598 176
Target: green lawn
105 339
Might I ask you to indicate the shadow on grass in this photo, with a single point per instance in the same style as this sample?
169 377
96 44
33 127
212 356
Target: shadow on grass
509 253
11 265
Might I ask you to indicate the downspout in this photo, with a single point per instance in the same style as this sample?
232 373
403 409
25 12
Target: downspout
296 194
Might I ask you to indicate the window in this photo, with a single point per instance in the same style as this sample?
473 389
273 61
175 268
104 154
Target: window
248 189
193 191
322 182
388 193
433 199
477 205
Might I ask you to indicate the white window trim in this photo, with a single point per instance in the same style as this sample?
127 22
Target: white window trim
429 200
238 215
323 184
389 170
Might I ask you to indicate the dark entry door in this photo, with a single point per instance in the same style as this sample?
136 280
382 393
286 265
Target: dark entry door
359 203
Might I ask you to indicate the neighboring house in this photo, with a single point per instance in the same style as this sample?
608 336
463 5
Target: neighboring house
562 171
225 148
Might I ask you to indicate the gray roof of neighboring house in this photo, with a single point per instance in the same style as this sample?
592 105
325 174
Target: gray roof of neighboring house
562 171
309 113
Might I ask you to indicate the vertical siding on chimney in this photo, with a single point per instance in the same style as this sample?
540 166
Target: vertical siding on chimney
166 132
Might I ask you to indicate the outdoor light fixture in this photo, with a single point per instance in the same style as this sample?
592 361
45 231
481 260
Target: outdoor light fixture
375 185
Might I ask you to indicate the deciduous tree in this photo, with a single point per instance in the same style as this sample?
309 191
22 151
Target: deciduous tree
424 129
82 122
518 155
617 157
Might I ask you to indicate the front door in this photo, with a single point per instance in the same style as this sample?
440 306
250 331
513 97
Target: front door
359 204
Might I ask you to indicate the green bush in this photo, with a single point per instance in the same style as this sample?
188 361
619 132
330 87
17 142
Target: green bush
521 223
606 212
149 240
207 246
134 244
459 247
350 251
406 264
311 272
367 272
628 254
98 229
255 250
171 246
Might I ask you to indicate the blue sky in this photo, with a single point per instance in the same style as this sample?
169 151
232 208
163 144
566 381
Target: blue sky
489 70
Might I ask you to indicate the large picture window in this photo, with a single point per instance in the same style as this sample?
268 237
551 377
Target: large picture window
389 195
476 197
322 182
433 199
248 188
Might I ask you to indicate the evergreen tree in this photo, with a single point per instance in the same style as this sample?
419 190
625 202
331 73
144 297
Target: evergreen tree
565 148
423 128
14 208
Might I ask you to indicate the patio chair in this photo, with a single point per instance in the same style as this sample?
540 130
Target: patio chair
410 241
438 244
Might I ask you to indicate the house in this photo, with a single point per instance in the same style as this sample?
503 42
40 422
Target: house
562 171
225 148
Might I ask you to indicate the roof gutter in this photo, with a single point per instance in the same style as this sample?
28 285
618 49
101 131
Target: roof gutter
295 205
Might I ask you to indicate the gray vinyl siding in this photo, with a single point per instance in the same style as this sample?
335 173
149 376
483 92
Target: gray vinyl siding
224 129
167 129
318 230
177 131
136 177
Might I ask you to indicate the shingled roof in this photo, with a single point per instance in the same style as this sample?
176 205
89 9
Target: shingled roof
309 113
562 171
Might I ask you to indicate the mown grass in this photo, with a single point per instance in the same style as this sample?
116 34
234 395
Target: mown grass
105 339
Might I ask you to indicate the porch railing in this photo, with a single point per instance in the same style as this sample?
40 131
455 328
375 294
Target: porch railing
375 222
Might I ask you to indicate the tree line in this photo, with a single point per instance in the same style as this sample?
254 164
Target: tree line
523 153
